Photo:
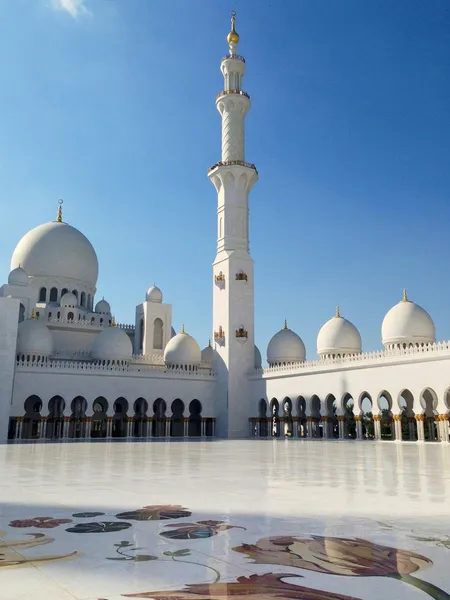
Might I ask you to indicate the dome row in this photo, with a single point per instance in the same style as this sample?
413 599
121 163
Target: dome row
406 324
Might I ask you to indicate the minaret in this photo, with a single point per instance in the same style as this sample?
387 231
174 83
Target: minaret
233 303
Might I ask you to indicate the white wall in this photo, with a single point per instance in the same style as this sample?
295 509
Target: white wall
9 316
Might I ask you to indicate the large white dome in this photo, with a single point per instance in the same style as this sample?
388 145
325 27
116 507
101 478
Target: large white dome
34 338
407 323
208 353
112 344
182 350
57 249
285 347
18 276
338 336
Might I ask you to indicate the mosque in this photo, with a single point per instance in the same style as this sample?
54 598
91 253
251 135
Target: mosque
69 371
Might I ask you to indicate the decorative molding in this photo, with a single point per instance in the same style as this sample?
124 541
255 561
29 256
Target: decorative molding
241 276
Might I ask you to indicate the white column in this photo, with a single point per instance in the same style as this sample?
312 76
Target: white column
149 428
167 427
420 428
325 427
412 429
341 424
444 428
186 427
397 428
377 426
309 427
39 429
19 422
88 428
359 427
108 428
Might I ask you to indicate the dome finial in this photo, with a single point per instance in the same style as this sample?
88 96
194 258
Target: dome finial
182 329
405 295
59 215
209 343
285 324
113 322
233 36
338 313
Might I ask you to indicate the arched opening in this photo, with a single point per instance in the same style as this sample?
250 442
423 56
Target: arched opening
70 316
195 419
275 419
75 293
54 295
177 419
64 291
21 313
77 426
301 416
32 418
120 418
330 426
158 330
368 424
159 418
141 335
83 299
429 401
387 422
288 421
408 418
348 404
140 418
89 302
262 415
43 294
99 427
315 428
55 420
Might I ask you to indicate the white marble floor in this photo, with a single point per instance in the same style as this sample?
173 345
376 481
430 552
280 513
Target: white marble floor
284 519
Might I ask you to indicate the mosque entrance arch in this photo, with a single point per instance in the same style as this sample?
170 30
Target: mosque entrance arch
140 418
120 418
99 427
195 419
159 418
55 420
177 419
32 418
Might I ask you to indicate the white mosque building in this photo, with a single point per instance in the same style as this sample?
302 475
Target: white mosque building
68 371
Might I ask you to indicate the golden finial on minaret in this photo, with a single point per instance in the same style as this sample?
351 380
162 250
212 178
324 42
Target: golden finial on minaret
113 322
338 314
405 295
233 36
209 343
59 215
182 329
33 314
285 324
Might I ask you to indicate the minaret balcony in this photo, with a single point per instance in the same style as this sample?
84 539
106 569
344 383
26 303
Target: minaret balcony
219 336
236 92
234 56
231 163
241 276
241 335
219 280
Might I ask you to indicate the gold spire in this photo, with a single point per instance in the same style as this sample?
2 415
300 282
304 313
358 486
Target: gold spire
33 314
285 324
113 322
182 329
338 314
59 215
233 36
209 343
405 295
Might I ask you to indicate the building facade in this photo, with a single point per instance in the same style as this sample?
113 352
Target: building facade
68 371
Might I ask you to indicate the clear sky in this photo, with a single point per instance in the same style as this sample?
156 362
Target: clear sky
109 104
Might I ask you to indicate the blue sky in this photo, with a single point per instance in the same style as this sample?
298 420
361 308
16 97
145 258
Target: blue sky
109 104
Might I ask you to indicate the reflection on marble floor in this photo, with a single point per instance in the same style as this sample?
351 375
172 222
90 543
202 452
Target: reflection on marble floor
282 519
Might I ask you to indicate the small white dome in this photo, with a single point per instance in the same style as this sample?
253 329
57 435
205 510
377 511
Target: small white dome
57 249
18 276
154 294
102 307
34 337
208 353
258 358
112 344
68 300
285 347
182 350
338 336
407 323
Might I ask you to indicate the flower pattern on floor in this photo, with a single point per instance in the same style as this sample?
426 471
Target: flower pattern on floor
264 587
199 530
99 527
40 522
342 556
156 512
11 551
